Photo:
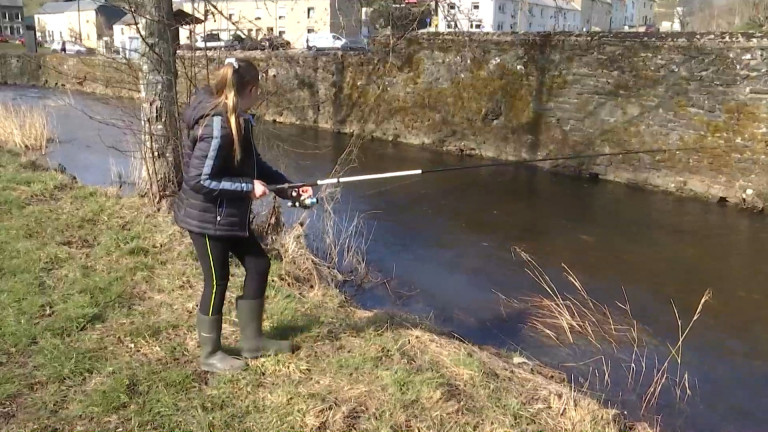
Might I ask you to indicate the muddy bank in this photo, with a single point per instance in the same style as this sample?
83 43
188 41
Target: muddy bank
517 96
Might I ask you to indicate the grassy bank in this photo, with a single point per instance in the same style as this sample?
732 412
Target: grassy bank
97 333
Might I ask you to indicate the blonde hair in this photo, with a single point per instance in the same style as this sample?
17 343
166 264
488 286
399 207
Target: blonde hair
229 82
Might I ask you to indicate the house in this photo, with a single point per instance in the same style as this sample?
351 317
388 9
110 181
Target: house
127 32
618 15
551 15
595 14
88 22
506 15
11 18
639 13
602 10
291 19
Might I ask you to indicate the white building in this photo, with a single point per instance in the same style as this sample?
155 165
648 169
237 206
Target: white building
639 13
551 15
618 14
506 15
595 14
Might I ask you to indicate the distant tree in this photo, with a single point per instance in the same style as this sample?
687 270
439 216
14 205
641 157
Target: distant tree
757 11
397 16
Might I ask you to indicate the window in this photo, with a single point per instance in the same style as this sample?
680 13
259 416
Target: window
231 14
281 13
270 30
17 16
250 32
542 12
530 9
310 30
475 6
513 27
452 7
259 14
281 32
476 25
5 15
499 26
122 31
449 25
502 7
310 12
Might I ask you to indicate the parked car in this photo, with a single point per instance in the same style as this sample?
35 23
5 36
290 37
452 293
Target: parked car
323 41
214 41
70 48
21 41
67 47
354 45
273 43
249 44
3 39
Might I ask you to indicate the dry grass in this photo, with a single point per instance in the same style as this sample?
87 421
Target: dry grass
98 334
133 176
337 251
575 319
24 128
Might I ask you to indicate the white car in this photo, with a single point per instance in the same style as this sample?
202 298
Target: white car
214 41
323 41
67 47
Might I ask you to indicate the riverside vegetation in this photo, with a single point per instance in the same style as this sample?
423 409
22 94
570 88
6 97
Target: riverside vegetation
97 333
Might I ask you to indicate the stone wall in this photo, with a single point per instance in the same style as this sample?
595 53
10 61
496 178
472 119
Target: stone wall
518 96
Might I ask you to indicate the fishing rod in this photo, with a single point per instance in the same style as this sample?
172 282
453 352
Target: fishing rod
307 202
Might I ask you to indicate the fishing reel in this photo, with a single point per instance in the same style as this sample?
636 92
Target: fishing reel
299 201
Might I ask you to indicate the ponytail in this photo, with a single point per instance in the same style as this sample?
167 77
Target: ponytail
235 77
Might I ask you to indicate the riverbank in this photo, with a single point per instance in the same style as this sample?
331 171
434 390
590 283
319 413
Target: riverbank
97 333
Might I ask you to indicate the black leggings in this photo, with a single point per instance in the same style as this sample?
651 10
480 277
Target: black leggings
213 253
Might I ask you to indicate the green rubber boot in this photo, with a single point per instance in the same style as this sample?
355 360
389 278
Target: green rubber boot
212 358
250 315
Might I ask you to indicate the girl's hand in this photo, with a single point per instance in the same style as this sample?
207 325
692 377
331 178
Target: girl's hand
305 191
259 189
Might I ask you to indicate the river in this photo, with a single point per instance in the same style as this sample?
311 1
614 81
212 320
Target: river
446 239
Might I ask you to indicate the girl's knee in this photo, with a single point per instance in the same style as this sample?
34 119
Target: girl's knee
259 264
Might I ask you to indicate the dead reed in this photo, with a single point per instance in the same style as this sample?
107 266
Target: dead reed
25 128
571 319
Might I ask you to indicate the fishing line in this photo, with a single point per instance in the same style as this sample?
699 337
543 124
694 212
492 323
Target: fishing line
298 201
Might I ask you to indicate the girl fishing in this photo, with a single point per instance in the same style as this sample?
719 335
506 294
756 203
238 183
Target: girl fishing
223 174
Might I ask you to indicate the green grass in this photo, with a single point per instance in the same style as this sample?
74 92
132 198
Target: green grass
17 48
11 48
96 333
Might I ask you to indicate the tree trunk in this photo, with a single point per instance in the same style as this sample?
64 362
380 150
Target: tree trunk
161 144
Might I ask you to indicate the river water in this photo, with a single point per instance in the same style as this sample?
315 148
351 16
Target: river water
446 240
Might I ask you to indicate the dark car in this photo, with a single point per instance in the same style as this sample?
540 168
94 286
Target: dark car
354 45
249 44
273 43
